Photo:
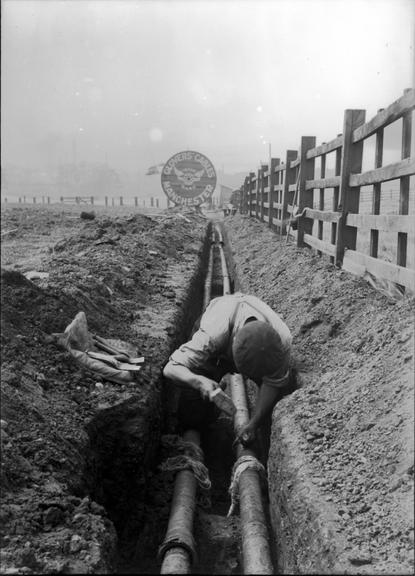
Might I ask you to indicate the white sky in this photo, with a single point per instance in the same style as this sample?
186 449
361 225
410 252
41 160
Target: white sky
136 81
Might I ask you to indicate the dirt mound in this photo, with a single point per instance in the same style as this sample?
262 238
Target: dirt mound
121 271
342 451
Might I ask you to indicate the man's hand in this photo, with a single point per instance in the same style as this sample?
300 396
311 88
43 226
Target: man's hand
246 434
206 386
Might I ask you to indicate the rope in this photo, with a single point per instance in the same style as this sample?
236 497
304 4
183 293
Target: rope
179 463
189 458
243 463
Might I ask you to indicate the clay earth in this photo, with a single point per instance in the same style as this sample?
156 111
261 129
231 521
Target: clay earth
81 486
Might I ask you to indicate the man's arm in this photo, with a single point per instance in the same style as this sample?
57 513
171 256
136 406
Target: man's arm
183 376
267 397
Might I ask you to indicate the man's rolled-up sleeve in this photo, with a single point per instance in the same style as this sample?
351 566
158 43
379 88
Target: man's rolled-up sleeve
194 354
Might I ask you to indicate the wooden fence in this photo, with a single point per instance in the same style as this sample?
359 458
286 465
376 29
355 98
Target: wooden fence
279 190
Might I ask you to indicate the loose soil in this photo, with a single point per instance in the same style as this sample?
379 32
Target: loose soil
76 449
81 492
341 464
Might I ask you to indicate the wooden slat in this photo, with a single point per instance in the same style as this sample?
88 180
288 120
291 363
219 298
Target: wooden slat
290 208
266 204
276 221
266 189
390 172
393 112
324 215
292 187
278 205
386 222
279 188
325 148
359 263
295 162
321 245
281 167
323 183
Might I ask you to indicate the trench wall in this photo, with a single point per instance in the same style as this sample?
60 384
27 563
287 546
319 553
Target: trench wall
125 436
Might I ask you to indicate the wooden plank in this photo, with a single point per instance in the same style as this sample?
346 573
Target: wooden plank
277 221
351 163
393 112
266 204
272 180
320 245
390 172
324 215
359 263
266 189
289 179
404 187
291 188
278 188
305 197
290 208
295 163
385 222
323 183
281 167
326 148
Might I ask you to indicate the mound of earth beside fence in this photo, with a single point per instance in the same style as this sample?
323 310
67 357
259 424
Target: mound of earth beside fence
341 459
66 433
341 463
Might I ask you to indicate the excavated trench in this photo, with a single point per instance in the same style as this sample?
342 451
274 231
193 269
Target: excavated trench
129 442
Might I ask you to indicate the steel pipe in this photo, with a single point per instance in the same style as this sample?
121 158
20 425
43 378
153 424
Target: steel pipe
255 543
208 281
178 550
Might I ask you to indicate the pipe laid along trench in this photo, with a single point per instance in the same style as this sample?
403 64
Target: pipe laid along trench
178 550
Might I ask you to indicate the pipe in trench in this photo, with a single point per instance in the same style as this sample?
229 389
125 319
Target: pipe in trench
225 275
255 544
178 549
208 282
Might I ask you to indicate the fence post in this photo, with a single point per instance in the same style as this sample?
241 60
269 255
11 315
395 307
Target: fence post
151 201
320 224
24 199
61 199
271 183
106 201
289 179
336 190
261 191
352 154
257 188
251 189
245 196
135 201
404 186
34 199
20 200
48 199
112 201
92 200
305 197
121 201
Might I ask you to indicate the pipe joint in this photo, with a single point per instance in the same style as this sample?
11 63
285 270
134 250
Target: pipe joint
179 539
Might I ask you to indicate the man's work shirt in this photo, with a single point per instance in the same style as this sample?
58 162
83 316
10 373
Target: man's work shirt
211 345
